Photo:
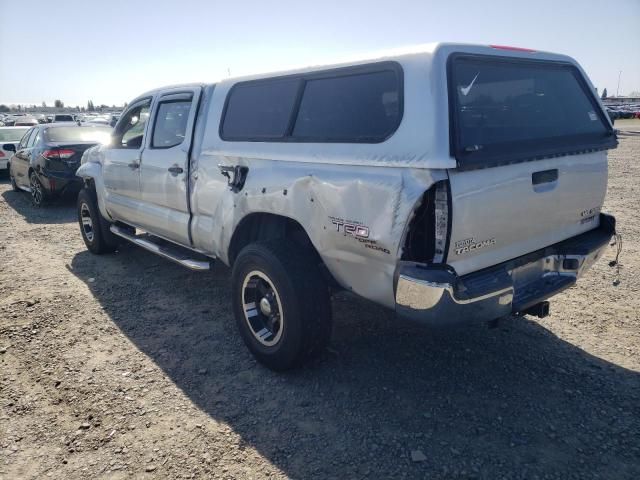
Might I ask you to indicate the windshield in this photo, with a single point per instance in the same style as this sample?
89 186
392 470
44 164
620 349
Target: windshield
513 108
78 134
64 118
11 134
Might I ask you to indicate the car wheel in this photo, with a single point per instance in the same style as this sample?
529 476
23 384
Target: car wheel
281 303
38 194
94 227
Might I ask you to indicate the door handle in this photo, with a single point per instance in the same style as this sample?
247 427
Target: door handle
134 165
175 170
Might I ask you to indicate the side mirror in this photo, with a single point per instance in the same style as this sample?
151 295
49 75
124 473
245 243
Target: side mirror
9 147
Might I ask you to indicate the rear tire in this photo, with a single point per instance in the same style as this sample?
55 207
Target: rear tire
95 229
39 195
281 303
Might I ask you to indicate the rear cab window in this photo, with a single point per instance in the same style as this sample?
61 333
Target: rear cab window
504 110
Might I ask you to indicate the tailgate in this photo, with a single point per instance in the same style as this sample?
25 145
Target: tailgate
529 138
503 212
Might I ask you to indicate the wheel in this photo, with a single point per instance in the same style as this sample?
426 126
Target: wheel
93 226
281 303
38 194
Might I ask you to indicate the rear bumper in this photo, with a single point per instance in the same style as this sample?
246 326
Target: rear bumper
60 182
437 295
4 163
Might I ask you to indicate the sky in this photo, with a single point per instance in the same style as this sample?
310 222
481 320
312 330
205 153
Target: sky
110 51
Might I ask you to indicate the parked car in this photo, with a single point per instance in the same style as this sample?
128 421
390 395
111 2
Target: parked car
45 160
99 121
25 122
9 135
458 183
63 117
10 120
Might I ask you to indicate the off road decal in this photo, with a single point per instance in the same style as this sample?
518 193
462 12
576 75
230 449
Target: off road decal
349 227
359 231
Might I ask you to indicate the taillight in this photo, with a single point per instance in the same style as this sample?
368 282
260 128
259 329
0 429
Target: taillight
515 49
1 154
58 154
428 231
441 220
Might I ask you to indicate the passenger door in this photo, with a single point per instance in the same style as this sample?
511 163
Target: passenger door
121 168
20 161
164 170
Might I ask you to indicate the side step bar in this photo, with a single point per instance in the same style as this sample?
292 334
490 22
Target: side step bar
174 253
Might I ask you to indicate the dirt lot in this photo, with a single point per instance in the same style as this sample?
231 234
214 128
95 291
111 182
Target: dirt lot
127 365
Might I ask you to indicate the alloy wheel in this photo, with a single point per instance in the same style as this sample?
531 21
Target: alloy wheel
87 223
36 189
262 308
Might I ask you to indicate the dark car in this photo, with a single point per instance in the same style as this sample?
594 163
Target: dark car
63 117
47 157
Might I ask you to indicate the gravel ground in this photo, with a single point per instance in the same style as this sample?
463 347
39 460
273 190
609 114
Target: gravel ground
129 366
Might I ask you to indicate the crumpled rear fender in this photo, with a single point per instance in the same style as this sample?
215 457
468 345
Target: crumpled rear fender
355 216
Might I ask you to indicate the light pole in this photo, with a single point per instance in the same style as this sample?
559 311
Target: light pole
618 89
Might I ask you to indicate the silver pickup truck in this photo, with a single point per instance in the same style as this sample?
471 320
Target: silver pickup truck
448 182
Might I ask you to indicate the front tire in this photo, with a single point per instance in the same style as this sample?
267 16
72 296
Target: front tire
94 228
281 303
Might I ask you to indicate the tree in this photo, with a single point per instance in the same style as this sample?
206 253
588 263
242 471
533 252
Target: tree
44 104
604 93
58 104
635 93
4 108
90 107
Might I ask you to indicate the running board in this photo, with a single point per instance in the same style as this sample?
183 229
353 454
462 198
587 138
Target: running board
174 253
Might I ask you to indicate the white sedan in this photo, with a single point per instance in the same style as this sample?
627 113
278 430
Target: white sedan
11 135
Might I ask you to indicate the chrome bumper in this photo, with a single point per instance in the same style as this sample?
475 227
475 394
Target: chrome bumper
436 295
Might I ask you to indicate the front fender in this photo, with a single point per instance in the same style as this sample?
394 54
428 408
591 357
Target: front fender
93 171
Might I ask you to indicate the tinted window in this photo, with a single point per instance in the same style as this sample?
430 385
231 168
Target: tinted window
521 108
171 123
78 134
129 131
349 108
64 118
259 110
